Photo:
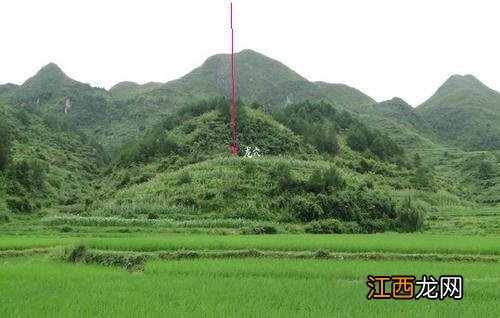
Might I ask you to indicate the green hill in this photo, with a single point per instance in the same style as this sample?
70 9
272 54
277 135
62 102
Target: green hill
399 120
109 118
290 92
465 113
254 73
43 163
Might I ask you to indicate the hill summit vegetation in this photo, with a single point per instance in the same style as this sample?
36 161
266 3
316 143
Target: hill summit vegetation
332 159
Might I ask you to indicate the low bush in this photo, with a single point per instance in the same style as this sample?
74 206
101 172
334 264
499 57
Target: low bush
260 229
303 209
19 205
374 225
184 178
411 216
152 216
66 229
4 218
325 227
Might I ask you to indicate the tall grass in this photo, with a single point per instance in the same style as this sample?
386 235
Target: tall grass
384 242
114 221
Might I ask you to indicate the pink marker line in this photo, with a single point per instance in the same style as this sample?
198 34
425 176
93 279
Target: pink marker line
234 146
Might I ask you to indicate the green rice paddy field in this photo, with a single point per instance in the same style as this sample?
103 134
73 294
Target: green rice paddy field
282 275
233 288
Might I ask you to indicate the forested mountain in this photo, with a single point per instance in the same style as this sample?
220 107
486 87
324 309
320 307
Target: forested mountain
93 151
465 113
43 162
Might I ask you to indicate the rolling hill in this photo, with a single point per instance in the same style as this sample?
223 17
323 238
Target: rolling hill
464 113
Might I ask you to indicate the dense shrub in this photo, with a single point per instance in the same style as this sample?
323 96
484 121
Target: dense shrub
281 174
423 178
30 174
342 206
325 226
374 225
4 147
486 170
303 209
315 122
66 229
411 216
249 168
316 183
4 218
328 180
184 178
360 138
333 179
19 205
152 216
260 229
76 254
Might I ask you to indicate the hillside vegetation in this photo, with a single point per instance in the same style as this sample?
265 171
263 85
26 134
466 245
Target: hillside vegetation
332 159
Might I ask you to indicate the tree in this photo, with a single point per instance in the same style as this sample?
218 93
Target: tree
326 140
4 147
486 169
417 161
357 139
316 183
333 179
423 178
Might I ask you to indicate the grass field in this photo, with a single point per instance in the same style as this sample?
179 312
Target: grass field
384 242
281 275
234 288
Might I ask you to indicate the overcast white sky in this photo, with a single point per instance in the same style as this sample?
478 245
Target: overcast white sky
385 48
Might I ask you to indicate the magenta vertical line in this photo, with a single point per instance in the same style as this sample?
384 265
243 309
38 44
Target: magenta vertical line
234 148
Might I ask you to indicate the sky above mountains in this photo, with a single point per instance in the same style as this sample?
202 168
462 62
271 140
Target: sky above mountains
385 48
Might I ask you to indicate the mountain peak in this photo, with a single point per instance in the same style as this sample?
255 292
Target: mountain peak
49 73
458 81
255 73
51 68
398 101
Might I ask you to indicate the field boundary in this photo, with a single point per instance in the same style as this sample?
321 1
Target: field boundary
136 260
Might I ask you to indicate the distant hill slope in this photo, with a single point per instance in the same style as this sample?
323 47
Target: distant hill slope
254 73
260 79
465 113
291 92
47 163
399 120
109 118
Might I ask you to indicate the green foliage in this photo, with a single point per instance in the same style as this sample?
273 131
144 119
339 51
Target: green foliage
486 170
260 229
281 174
423 178
4 218
411 216
4 146
329 180
304 209
327 226
317 123
417 160
184 178
360 138
464 112
333 180
29 173
19 205
316 183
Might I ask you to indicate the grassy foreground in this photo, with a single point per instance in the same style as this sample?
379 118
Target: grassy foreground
234 288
